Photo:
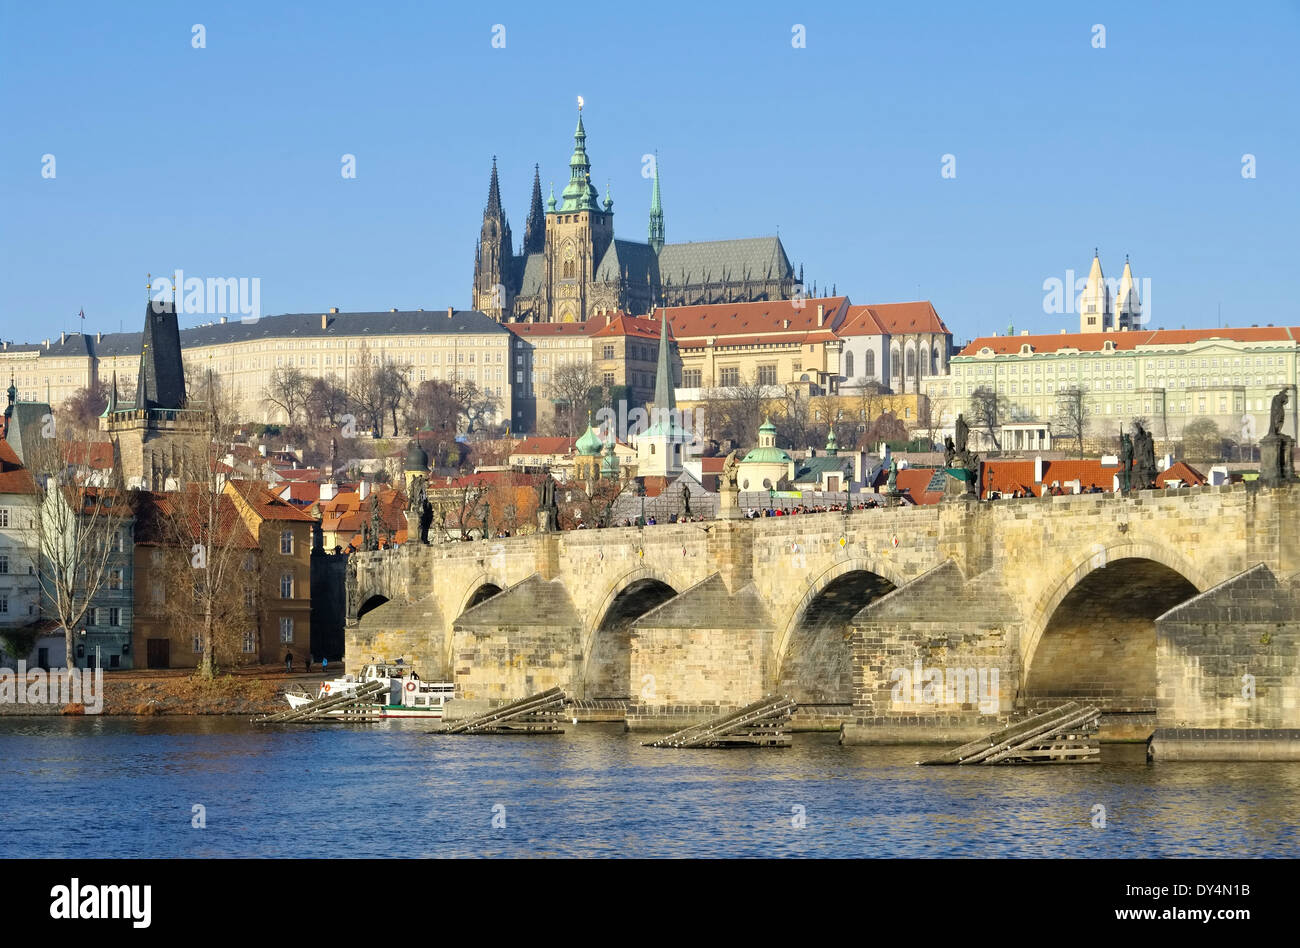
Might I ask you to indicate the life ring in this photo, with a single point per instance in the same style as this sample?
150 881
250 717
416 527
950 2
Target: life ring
410 686
325 688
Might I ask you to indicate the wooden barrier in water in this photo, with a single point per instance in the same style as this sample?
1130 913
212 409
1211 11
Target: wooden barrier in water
541 713
765 723
349 707
1064 735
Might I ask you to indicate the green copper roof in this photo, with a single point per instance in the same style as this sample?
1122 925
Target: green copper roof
580 195
550 204
768 426
609 466
831 443
589 444
766 456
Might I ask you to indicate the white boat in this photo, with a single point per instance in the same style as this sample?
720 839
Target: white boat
408 695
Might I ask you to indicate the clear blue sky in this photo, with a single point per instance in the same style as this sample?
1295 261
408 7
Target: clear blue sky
225 161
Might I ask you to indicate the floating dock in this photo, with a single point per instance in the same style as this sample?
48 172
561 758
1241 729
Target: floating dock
1064 735
537 714
764 723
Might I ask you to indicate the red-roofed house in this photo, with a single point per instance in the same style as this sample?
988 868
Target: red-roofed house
1017 477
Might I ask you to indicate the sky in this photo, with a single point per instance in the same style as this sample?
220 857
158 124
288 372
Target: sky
226 160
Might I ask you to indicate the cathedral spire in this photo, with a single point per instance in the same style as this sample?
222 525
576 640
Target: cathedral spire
535 227
656 214
494 194
580 195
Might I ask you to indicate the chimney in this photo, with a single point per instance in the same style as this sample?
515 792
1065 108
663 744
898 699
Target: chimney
47 343
785 324
334 309
324 321
821 314
1038 469
393 309
223 320
63 337
363 489
261 449
450 312
99 337
607 319
327 490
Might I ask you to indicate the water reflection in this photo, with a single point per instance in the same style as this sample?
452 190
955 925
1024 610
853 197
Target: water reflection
129 785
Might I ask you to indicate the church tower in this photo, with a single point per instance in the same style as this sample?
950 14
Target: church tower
1094 304
1128 308
535 226
578 233
656 215
493 257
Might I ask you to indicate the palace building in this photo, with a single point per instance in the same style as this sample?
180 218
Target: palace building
570 266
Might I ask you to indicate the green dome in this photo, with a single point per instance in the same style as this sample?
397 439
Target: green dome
766 456
768 426
589 445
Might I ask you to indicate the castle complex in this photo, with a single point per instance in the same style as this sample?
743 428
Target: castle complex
571 267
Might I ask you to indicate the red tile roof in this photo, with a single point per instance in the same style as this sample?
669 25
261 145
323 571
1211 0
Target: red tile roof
93 454
1128 341
1010 476
641 327
14 478
542 447
532 330
266 504
750 319
892 319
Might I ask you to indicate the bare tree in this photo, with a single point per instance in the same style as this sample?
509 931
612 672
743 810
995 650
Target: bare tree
287 391
570 391
1072 416
77 532
81 410
929 419
734 412
986 413
366 393
395 390
1202 440
326 400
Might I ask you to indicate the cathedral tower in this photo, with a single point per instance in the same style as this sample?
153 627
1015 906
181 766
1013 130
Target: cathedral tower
494 256
656 215
578 233
1128 307
1094 304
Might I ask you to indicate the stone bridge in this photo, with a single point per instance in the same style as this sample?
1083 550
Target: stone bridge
1174 610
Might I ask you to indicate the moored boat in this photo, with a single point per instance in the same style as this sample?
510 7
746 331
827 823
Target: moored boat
407 696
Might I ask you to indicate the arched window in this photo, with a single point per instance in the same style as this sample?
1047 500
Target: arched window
848 365
896 362
869 368
911 362
934 362
568 269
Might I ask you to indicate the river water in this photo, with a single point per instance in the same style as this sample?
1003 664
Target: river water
128 787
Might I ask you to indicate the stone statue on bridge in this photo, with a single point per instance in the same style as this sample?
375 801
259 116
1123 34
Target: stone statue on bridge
962 430
1144 459
548 512
1125 462
949 451
729 489
1276 449
686 501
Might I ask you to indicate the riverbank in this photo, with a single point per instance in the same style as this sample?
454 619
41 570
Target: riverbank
181 692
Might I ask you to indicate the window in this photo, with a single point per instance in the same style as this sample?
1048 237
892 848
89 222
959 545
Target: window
691 378
869 364
848 365
730 377
607 352
114 616
286 586
286 630
115 579
4 605
767 374
4 516
250 641
119 541
608 378
250 597
4 562
286 543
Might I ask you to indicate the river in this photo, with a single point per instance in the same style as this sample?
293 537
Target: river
128 787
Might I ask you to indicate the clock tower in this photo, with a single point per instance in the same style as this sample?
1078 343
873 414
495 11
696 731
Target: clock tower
578 232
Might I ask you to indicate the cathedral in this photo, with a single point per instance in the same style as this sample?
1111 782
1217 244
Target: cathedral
571 267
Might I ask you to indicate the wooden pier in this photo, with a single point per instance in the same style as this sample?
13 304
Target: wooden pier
350 707
537 714
764 723
1064 735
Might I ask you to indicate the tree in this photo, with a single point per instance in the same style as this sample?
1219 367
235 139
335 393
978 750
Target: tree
81 410
734 412
929 419
326 400
365 391
287 391
77 530
570 391
395 390
886 428
1202 440
986 413
1072 414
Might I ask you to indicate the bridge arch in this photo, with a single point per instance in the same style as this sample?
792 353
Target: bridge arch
1093 638
607 637
812 658
480 589
370 603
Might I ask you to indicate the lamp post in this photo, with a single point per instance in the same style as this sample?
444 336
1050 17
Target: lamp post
771 499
